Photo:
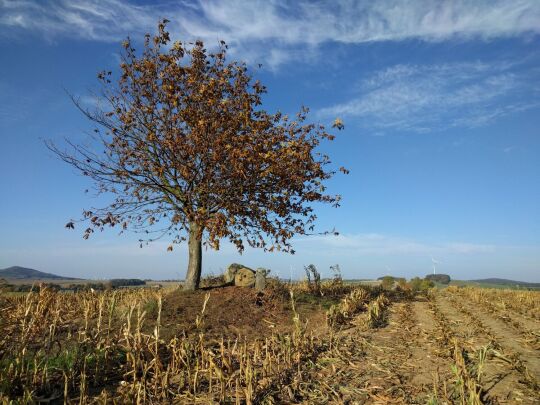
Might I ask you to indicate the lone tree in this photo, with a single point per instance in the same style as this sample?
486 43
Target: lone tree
187 152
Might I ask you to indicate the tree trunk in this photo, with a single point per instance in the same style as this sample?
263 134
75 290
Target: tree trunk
193 275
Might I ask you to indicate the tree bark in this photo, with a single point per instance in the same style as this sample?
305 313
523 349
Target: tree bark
193 275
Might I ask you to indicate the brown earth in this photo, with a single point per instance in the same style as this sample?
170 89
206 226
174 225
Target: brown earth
235 312
510 339
410 360
506 380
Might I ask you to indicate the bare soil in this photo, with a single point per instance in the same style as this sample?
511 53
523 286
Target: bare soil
393 364
412 357
234 312
409 361
506 380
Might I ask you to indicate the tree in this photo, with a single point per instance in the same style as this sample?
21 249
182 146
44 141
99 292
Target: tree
387 282
439 278
187 152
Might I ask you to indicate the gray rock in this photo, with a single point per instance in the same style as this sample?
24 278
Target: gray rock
260 279
244 277
231 271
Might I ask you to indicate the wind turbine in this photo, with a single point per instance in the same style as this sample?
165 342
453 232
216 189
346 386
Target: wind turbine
435 263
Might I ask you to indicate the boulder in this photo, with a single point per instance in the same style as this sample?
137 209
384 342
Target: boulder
244 277
260 279
231 272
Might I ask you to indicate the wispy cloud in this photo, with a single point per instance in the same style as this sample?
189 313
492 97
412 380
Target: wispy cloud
423 98
275 31
106 20
381 245
509 149
360 255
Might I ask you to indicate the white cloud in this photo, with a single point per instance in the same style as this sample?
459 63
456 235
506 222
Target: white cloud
509 149
359 255
424 98
107 20
383 245
274 31
370 255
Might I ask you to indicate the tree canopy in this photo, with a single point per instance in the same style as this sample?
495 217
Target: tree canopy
187 151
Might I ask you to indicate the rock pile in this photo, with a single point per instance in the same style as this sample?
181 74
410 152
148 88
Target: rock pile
242 276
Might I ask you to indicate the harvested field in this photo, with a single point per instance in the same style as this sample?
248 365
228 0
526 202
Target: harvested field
338 344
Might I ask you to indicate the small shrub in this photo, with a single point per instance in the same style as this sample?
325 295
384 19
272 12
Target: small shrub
418 284
376 312
387 282
151 307
337 279
313 278
277 289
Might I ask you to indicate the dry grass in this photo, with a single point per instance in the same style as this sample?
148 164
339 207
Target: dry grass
108 347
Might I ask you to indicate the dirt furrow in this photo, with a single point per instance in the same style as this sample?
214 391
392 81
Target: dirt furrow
464 386
399 370
431 364
498 331
513 303
396 363
507 377
527 329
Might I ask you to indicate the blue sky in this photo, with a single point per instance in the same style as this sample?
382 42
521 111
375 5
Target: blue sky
441 102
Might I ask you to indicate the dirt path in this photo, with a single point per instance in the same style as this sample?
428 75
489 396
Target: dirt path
433 368
508 376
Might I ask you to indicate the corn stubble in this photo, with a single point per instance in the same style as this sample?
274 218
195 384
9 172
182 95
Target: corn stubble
107 347
94 348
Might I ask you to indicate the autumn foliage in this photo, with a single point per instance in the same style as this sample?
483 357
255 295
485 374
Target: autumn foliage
187 151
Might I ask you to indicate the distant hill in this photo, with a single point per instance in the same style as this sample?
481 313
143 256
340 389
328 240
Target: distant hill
502 281
22 273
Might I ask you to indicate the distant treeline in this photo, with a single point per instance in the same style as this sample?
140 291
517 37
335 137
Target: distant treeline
505 282
436 278
98 286
415 284
439 278
125 282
